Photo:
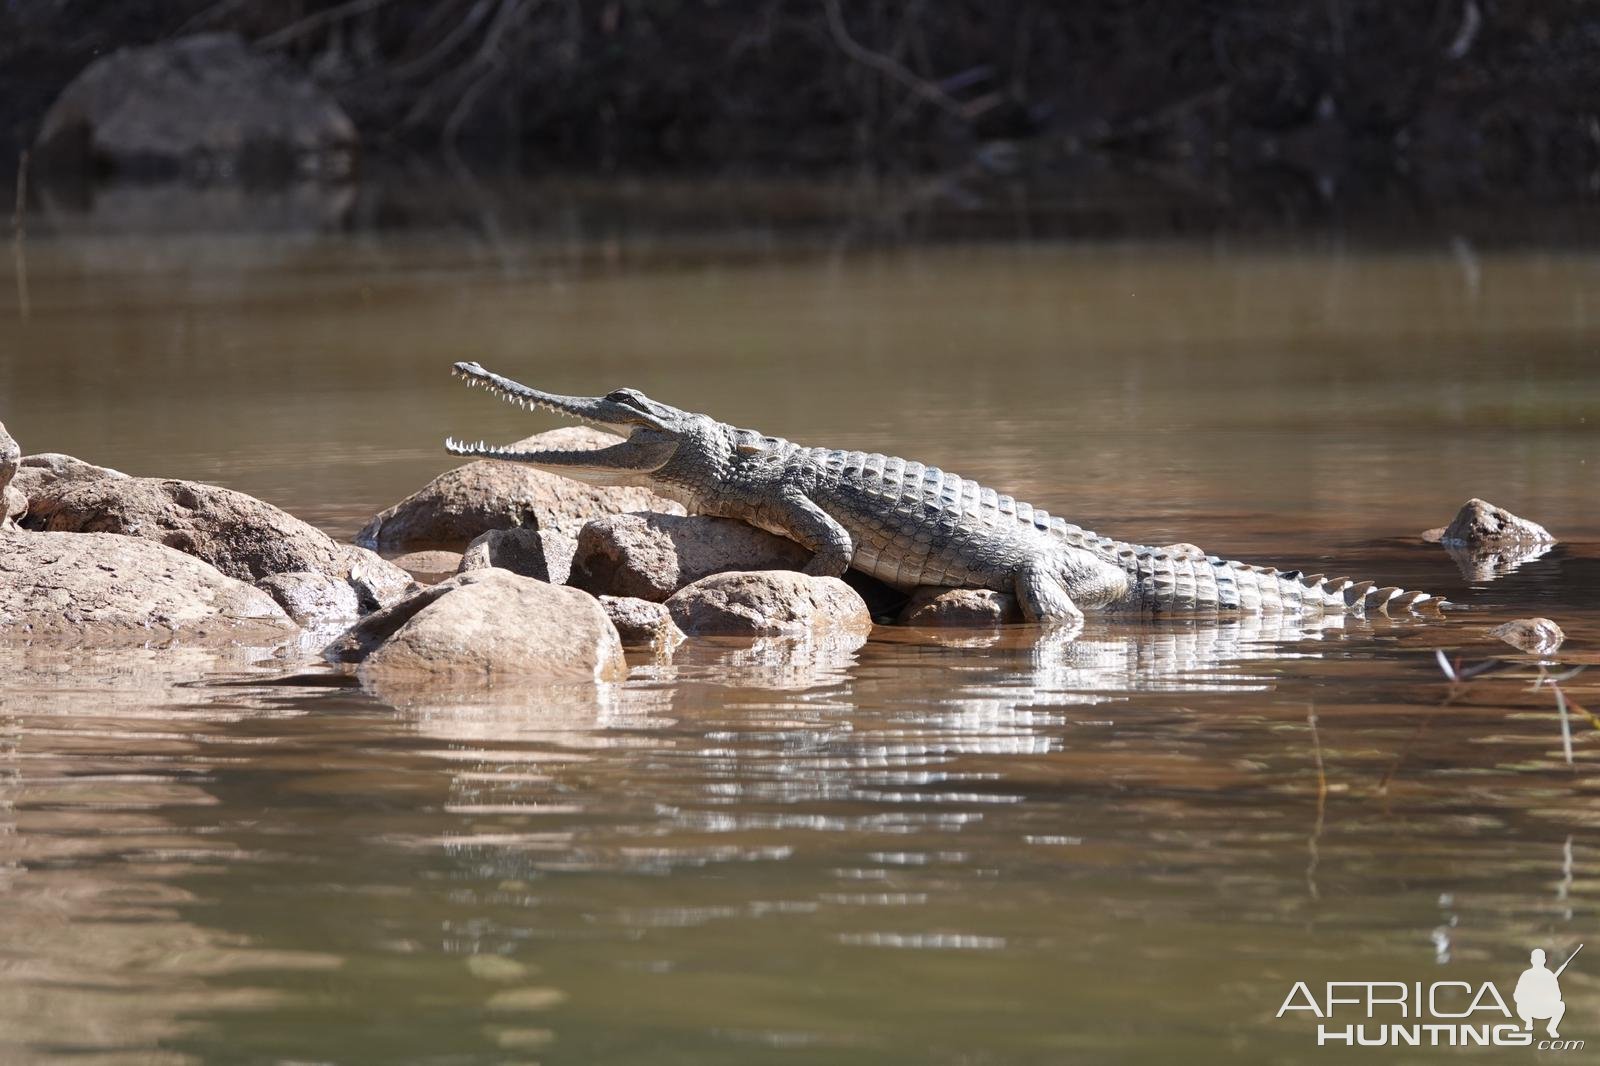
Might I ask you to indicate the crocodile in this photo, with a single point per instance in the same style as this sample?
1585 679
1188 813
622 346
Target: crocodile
908 524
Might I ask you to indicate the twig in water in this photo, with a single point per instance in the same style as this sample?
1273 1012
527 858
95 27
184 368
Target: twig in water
1566 723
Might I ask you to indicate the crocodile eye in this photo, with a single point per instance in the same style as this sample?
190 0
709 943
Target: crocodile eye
627 396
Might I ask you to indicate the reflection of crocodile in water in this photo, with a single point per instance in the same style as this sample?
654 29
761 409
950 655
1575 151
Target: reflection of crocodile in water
908 524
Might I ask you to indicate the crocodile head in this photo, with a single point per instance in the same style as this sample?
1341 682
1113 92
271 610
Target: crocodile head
654 431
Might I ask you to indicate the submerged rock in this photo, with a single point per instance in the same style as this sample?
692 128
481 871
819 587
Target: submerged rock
206 105
642 623
545 554
100 587
1536 636
460 505
488 624
243 537
948 608
767 603
651 556
1487 542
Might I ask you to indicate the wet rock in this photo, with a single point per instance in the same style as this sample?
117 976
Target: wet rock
1487 542
642 623
1536 636
205 106
429 567
95 587
461 504
1480 524
651 556
545 554
243 537
489 624
767 603
945 608
313 600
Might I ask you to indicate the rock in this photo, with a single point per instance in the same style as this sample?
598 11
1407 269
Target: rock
43 477
948 608
767 603
99 587
1536 636
651 556
241 536
204 106
642 623
13 505
10 457
376 580
459 505
314 600
429 567
1480 524
545 554
492 624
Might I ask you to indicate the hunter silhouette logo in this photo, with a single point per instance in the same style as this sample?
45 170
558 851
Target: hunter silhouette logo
1450 1013
1538 993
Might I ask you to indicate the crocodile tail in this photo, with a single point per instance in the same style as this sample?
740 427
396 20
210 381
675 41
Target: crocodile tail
1179 580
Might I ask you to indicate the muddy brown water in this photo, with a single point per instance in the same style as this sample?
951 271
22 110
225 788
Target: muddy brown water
932 848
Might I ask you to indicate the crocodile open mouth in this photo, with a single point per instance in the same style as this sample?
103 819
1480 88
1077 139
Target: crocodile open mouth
647 446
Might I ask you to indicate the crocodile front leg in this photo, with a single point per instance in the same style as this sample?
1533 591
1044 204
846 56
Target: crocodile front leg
1043 598
814 528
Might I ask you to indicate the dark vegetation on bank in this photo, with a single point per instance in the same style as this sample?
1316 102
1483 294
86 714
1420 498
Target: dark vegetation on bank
1460 98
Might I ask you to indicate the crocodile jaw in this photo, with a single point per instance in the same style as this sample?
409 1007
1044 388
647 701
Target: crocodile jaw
648 447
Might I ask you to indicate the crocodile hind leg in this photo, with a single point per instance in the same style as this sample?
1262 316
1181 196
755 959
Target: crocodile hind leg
1043 598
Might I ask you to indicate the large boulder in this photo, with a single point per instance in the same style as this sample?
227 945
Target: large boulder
768 603
13 506
243 537
945 608
459 505
487 625
651 556
545 554
94 587
206 106
642 623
